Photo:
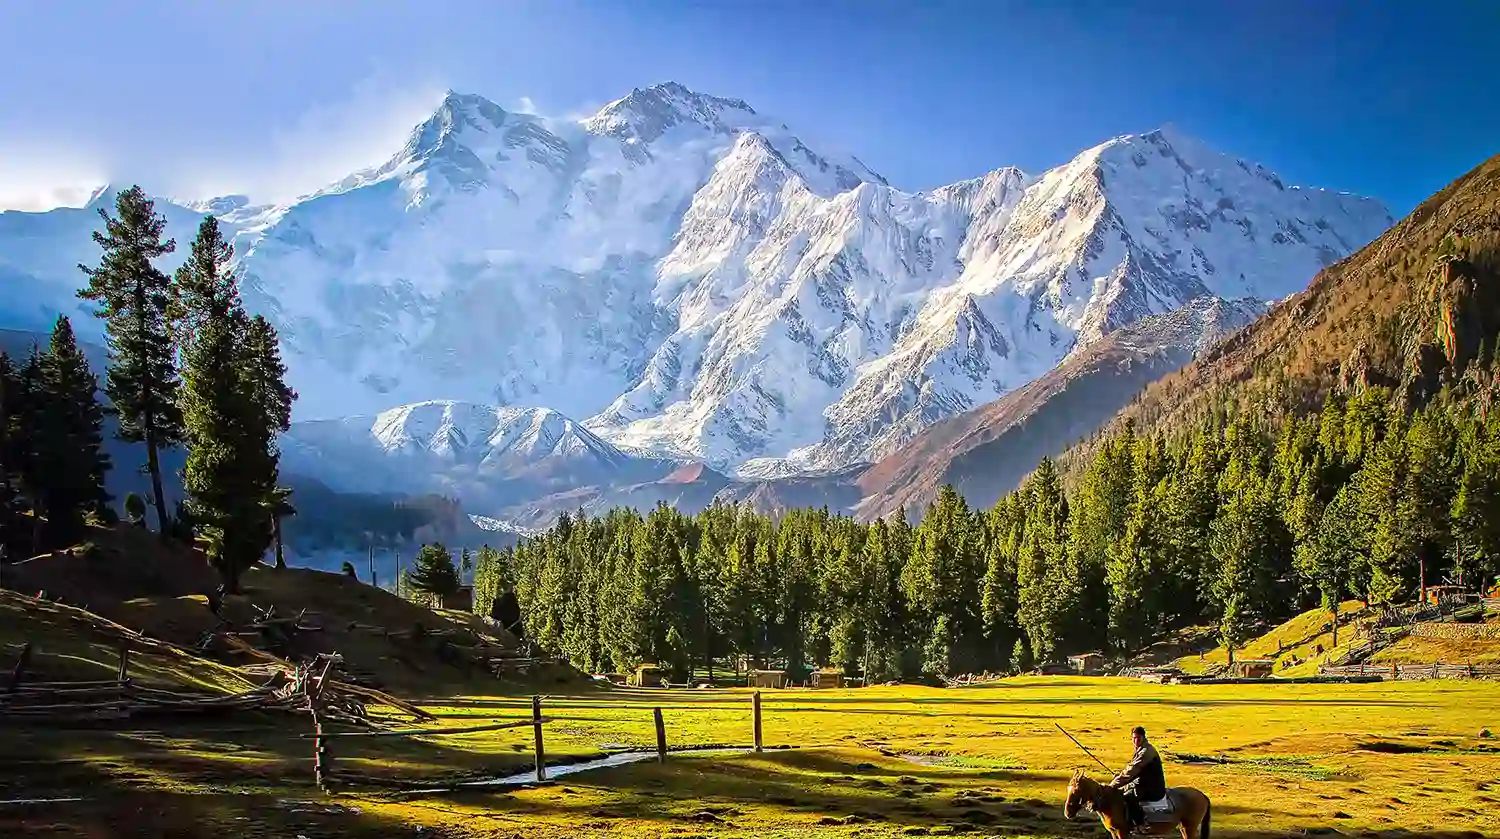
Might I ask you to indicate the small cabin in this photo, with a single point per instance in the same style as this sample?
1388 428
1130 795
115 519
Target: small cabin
646 675
1252 668
828 677
1089 664
768 678
461 600
1438 595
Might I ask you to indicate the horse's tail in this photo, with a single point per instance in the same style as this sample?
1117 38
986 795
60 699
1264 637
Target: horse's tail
1208 817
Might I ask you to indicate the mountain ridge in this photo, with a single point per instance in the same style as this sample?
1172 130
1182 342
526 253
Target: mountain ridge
684 276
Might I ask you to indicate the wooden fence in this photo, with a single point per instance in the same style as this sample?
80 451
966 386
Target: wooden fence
327 777
1404 672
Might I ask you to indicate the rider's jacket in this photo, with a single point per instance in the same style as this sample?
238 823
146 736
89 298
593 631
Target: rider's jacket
1143 775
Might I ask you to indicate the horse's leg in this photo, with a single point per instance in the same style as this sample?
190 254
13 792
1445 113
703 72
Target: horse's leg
1192 818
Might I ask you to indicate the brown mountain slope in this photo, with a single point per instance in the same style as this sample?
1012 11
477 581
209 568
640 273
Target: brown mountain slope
984 453
1418 301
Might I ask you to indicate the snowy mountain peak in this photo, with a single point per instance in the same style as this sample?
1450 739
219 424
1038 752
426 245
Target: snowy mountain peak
646 114
464 431
688 277
103 195
460 118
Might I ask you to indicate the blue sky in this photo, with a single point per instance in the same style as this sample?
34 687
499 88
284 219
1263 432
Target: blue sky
276 97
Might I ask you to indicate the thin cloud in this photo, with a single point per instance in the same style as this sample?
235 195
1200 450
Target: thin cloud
46 176
324 143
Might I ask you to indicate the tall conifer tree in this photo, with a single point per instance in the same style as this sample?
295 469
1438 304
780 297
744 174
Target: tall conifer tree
229 474
69 437
134 300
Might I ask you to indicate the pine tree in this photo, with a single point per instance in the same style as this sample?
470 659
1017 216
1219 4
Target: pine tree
69 437
1137 564
1475 512
28 464
9 477
267 373
1388 505
1247 541
433 573
265 376
1336 548
134 299
1043 586
230 472
1020 657
1005 525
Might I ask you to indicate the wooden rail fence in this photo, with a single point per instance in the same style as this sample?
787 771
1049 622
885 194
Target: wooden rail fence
327 777
1416 671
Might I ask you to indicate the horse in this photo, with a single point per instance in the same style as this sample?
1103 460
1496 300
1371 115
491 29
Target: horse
1192 817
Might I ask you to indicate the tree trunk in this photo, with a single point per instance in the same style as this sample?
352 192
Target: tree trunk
1335 624
276 534
230 572
708 648
154 465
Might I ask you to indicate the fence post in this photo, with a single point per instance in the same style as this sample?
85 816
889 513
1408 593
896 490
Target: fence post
124 674
536 727
19 671
755 703
661 736
322 760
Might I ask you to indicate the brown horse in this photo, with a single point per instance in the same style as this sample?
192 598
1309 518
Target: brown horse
1109 804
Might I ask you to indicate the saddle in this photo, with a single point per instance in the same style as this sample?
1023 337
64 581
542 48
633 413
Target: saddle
1162 811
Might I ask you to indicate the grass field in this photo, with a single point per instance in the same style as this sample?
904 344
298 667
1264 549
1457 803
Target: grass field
1278 760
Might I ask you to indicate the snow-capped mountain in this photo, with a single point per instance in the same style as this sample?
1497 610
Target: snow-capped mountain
488 456
691 279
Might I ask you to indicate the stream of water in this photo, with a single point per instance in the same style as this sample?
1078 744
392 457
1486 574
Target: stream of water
521 779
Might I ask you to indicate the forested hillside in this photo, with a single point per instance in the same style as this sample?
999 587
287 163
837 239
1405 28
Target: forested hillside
1344 445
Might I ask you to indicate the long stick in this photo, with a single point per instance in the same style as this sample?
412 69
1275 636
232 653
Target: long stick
1082 746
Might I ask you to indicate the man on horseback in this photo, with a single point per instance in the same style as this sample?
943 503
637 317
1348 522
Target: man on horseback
1142 779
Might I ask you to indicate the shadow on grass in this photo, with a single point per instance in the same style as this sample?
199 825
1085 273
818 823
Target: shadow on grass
132 787
810 789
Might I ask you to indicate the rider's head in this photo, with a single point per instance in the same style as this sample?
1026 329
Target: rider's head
1137 736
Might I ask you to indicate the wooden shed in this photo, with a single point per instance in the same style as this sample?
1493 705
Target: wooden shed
1087 663
1440 594
1252 668
828 677
646 675
768 678
461 600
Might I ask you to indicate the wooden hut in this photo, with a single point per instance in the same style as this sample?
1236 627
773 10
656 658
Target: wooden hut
646 675
1438 595
1089 664
828 677
768 678
461 600
1252 668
